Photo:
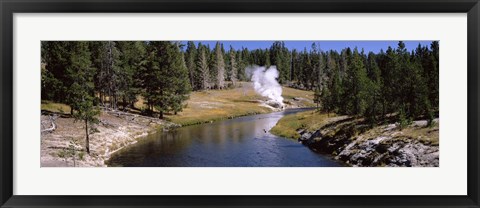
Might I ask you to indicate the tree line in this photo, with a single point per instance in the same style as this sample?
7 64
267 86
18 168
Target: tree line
115 74
395 81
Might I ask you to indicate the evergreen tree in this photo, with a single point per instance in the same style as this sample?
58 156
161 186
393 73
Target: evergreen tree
331 87
54 80
241 65
132 54
295 70
358 85
306 70
432 70
318 97
180 83
279 56
203 69
81 94
219 66
374 86
390 79
190 59
108 64
233 67
166 79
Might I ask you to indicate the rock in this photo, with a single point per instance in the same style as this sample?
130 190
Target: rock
389 127
421 123
305 136
274 104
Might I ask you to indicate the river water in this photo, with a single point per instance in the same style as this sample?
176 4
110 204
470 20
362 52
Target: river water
238 142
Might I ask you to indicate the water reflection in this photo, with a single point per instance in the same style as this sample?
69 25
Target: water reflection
239 142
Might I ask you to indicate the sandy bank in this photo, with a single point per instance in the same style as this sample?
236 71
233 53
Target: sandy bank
115 131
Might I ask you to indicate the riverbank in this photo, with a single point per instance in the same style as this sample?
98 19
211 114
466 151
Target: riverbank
350 140
62 137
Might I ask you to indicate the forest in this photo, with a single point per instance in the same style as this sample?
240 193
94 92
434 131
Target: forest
87 75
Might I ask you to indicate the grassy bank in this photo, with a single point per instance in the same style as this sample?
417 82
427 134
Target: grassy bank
289 125
55 107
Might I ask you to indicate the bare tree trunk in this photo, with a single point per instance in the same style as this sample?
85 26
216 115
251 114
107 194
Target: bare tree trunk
74 157
87 141
115 101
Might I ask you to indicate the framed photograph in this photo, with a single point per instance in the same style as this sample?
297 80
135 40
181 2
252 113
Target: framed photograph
239 104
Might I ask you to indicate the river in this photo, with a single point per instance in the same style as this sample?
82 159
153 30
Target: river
238 142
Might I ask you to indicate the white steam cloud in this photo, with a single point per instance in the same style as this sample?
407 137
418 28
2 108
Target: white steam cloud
265 82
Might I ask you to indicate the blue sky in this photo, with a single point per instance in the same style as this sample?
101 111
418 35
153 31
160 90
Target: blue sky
374 46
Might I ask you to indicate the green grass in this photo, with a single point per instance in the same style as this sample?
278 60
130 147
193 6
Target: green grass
426 135
55 107
309 120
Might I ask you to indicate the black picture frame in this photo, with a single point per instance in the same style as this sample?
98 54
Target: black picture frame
9 7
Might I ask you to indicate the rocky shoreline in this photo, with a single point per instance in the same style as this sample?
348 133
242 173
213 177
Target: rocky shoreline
386 145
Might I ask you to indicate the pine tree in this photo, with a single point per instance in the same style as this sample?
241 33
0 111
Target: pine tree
180 82
318 97
374 86
331 91
190 58
233 67
241 65
390 77
132 54
306 70
279 56
54 80
167 82
203 69
219 66
295 68
433 74
81 94
106 57
358 86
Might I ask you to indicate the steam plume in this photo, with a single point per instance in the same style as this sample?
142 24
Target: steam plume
265 83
